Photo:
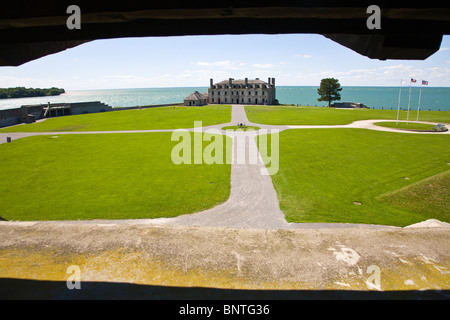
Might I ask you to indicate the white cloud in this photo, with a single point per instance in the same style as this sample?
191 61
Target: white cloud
226 63
306 56
12 81
263 66
379 76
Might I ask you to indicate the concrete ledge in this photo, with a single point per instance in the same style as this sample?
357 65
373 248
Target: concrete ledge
212 262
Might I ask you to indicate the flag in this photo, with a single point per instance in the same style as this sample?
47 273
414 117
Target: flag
413 80
425 83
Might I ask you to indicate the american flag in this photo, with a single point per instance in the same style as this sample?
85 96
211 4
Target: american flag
425 83
413 80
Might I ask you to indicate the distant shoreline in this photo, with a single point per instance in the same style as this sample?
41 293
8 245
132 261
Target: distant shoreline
278 86
22 92
433 98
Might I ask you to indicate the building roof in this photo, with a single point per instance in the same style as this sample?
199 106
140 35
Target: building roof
196 96
241 81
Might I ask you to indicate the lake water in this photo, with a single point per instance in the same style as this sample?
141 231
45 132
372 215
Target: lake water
434 98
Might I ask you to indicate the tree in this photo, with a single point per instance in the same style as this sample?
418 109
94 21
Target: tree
329 90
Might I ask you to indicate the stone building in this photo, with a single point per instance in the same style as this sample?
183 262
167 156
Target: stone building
31 113
242 92
196 99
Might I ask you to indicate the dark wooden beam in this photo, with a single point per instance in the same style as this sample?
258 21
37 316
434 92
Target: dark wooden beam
33 28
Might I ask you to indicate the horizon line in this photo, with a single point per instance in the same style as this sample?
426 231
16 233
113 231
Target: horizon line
179 87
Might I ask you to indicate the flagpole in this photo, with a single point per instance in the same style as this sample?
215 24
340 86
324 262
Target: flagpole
418 106
399 95
407 116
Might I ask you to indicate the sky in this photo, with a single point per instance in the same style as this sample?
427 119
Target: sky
190 61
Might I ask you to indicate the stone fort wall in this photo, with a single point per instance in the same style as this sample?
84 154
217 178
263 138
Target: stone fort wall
30 113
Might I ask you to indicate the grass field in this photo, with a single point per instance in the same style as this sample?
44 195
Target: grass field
430 196
286 115
105 176
407 126
144 119
337 175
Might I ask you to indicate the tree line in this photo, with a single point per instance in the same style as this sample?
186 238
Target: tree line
22 92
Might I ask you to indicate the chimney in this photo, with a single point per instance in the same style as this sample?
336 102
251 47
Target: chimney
246 82
268 82
273 82
211 83
230 82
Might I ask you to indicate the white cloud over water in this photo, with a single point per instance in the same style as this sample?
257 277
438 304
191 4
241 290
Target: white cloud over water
380 76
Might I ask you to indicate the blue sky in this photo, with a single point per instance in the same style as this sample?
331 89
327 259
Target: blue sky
190 61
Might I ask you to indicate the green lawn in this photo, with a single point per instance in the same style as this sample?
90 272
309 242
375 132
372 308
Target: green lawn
323 173
286 115
105 176
407 126
430 196
144 119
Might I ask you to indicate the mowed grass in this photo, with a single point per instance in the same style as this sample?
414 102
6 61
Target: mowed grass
430 196
145 119
286 115
104 176
408 126
338 175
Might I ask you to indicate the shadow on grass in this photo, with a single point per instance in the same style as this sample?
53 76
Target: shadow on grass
48 290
